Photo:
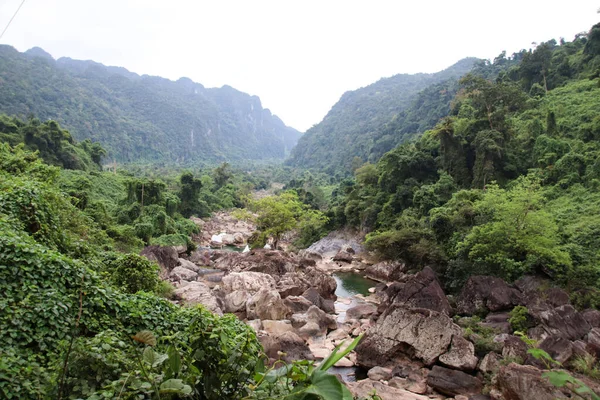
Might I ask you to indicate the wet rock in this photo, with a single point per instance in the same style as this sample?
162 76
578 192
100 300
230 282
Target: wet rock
565 322
182 274
380 374
421 333
486 293
461 354
386 271
525 382
198 293
288 346
453 382
422 290
266 304
363 389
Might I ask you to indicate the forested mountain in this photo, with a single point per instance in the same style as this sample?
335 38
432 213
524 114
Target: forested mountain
369 121
140 118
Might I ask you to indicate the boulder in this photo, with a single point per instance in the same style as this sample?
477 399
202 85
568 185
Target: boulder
189 265
422 290
228 239
310 255
236 301
343 256
238 238
514 348
315 298
593 341
266 304
490 363
486 293
255 324
380 374
364 389
334 242
297 304
498 321
453 382
422 333
182 274
565 322
201 257
592 317
560 349
525 382
277 327
287 346
386 271
198 293
323 283
461 355
251 282
361 311
166 257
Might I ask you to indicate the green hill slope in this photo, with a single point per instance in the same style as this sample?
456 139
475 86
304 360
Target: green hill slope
141 118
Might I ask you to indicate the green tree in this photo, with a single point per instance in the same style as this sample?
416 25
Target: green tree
188 194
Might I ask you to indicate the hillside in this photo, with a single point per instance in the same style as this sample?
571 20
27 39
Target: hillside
357 125
141 118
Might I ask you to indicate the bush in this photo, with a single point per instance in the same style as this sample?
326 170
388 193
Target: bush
133 273
519 319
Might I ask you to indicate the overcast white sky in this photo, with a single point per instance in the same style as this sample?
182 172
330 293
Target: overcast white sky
297 56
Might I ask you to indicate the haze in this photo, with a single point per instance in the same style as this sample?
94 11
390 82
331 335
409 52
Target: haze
299 57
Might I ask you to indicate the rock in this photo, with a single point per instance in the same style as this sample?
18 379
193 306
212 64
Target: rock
325 284
199 222
338 334
363 389
236 301
189 265
498 321
452 382
360 311
255 324
539 295
310 255
182 274
228 239
490 363
200 257
593 341
422 290
558 348
486 293
343 256
334 242
297 304
311 329
199 293
315 298
277 327
565 322
238 238
525 382
592 317
422 333
320 317
461 354
380 374
251 282
266 304
288 346
514 348
166 257
344 363
386 271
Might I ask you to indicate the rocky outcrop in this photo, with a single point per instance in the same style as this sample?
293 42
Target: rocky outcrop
287 346
266 304
198 293
386 271
452 382
166 257
524 382
336 241
365 388
250 282
482 294
565 322
461 354
421 333
344 256
182 274
422 290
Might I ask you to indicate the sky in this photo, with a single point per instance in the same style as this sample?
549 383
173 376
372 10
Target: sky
299 57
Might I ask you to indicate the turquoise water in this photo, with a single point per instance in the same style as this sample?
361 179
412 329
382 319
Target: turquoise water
351 283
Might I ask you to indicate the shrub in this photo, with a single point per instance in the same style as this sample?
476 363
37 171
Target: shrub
519 319
133 273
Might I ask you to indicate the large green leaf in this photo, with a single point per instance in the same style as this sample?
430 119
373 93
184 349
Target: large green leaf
175 386
327 386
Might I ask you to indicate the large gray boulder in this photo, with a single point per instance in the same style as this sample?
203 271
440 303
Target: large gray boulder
525 382
189 265
287 345
198 293
166 257
422 333
482 294
453 382
266 304
251 282
182 274
565 322
386 271
461 355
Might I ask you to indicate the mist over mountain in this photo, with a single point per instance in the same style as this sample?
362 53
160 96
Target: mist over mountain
141 118
372 120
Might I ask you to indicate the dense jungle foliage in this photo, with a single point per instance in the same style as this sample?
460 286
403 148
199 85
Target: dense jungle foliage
141 118
369 121
507 184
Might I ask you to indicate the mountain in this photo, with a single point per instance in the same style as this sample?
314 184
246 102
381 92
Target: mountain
141 118
372 120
